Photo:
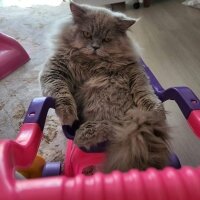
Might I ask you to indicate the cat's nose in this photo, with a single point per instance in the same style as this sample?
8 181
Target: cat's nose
95 46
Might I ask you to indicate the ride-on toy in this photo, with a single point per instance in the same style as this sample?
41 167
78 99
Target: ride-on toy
170 183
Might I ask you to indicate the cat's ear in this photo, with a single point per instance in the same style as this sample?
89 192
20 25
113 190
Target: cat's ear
124 23
78 11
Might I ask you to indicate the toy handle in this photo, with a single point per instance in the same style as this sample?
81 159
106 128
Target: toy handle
21 152
17 153
184 97
187 101
38 109
168 184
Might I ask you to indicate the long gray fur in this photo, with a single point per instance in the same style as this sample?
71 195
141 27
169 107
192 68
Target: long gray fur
95 76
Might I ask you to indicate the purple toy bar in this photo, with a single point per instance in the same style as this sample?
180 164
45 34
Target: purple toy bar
38 109
184 97
158 89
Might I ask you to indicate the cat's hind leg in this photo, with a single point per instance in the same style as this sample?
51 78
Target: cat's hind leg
92 133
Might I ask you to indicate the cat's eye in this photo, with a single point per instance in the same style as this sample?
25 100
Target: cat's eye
86 34
107 39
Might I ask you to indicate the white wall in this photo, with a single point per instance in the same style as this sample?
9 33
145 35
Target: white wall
98 2
103 2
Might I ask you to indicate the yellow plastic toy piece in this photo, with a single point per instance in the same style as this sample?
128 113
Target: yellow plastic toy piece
35 170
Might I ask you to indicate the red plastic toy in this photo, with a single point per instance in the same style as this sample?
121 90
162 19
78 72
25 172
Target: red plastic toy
12 55
152 184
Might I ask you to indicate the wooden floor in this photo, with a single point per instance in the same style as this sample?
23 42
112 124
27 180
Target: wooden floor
169 35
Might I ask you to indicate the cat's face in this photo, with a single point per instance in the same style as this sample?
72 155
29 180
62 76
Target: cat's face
99 31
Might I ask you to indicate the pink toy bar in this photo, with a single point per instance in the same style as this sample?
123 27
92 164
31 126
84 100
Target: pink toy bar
12 55
152 184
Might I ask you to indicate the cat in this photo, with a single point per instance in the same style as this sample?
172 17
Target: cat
95 77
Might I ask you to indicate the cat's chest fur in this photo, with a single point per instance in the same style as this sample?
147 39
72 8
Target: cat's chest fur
102 91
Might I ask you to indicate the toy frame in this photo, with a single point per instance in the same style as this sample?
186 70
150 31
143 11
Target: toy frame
152 184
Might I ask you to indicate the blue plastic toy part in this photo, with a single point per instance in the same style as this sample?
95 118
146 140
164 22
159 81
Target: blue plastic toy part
184 96
51 169
70 131
174 161
38 109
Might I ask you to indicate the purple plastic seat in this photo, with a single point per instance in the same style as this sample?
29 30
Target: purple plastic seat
12 55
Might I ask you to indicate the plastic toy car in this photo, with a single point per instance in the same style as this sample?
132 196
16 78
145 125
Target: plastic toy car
170 183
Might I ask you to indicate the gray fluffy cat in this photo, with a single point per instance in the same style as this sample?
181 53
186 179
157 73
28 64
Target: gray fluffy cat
95 77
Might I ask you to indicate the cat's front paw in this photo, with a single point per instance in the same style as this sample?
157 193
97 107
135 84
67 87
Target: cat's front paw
66 116
85 136
91 134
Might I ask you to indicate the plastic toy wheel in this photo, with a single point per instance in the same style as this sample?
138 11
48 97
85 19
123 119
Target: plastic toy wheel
136 5
51 169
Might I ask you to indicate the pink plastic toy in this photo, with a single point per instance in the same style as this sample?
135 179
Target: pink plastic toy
152 184
12 55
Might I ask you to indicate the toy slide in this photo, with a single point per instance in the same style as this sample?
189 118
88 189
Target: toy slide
12 55
152 184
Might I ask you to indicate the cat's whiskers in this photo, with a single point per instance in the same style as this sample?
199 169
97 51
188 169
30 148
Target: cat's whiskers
101 53
87 50
91 51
